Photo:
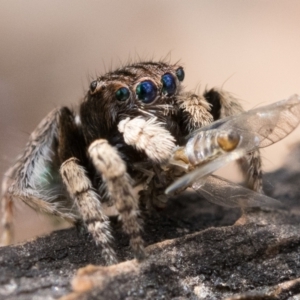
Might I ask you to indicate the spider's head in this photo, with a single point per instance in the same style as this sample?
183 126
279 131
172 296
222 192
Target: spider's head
146 89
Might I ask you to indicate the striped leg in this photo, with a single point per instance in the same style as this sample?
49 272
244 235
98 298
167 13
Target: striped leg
113 170
89 206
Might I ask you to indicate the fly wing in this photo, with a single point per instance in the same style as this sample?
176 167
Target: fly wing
205 170
270 123
226 193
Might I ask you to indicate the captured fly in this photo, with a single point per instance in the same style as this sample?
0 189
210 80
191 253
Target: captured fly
229 139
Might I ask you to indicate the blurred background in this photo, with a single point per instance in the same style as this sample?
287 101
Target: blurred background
51 50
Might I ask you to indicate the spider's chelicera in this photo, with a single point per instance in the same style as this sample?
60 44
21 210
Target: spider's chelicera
126 129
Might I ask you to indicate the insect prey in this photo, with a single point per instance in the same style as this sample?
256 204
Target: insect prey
213 146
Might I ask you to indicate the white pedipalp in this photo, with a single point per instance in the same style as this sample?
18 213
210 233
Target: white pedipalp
149 136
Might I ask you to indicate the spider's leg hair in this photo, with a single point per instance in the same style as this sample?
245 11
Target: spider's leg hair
76 178
195 111
87 200
35 179
109 164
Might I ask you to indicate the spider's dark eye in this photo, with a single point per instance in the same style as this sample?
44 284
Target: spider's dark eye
180 74
93 85
169 85
146 91
122 94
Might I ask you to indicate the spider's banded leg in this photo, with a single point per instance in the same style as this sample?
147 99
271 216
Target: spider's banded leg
251 167
71 152
7 209
29 197
113 170
24 180
80 189
223 105
7 220
195 111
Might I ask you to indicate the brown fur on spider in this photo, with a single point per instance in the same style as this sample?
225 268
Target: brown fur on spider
126 129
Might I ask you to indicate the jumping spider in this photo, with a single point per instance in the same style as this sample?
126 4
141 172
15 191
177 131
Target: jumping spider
128 124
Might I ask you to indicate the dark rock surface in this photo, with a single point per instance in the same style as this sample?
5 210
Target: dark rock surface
45 266
194 253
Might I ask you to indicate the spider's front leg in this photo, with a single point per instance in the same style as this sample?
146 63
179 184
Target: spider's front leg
7 208
79 186
113 170
80 189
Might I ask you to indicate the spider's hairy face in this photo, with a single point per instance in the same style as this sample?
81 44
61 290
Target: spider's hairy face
142 89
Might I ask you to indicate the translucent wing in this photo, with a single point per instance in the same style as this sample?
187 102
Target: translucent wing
257 128
226 193
205 169
270 123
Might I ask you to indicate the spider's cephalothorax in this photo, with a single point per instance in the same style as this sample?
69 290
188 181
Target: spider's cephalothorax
127 127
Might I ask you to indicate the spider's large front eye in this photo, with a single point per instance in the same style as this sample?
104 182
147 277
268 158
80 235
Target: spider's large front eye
180 74
169 84
146 91
122 94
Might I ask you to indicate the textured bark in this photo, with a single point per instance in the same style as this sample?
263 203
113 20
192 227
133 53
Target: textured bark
194 253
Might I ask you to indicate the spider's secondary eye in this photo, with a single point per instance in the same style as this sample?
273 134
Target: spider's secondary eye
146 91
180 74
122 94
169 85
93 85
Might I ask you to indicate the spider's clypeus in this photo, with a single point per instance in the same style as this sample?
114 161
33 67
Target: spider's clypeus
127 126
